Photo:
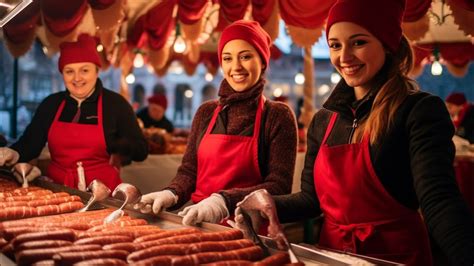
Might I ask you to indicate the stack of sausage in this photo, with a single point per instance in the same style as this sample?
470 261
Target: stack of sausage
83 239
33 201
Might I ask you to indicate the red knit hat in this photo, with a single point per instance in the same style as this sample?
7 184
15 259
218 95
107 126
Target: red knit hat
456 98
249 31
382 18
84 50
159 99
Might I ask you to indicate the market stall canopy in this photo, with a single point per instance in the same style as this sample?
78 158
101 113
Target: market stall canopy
149 28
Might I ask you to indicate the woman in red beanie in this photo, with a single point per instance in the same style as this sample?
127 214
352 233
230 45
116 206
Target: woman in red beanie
380 150
462 114
90 130
239 143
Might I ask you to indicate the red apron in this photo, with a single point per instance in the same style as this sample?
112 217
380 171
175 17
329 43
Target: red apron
70 143
227 161
360 216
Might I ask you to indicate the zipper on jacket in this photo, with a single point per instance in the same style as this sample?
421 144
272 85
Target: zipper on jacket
354 126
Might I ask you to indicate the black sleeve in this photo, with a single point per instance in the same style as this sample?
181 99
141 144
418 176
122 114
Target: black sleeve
35 136
468 125
305 204
432 152
123 134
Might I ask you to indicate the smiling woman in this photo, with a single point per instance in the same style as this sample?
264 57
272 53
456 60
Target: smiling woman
238 143
90 130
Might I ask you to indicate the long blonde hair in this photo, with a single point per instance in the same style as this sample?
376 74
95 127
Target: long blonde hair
391 94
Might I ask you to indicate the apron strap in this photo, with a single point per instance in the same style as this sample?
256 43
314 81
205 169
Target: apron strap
332 121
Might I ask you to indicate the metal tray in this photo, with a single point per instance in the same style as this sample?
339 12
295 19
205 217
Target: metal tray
308 254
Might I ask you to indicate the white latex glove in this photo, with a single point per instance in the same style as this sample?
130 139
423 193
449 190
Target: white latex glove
8 157
156 201
211 209
30 175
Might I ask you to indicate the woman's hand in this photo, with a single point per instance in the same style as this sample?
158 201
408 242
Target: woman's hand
8 157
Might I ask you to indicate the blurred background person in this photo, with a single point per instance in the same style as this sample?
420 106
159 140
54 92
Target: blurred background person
154 114
462 114
209 92
138 99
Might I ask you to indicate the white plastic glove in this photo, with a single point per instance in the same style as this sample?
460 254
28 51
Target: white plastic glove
8 157
32 173
211 209
156 201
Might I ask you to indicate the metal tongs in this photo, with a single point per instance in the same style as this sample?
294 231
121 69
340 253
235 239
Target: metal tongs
260 202
23 168
99 192
130 194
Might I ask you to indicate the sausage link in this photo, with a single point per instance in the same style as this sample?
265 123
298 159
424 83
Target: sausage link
101 262
250 253
193 238
68 258
44 263
104 240
17 212
130 247
55 201
167 233
131 231
62 234
116 224
42 244
30 256
179 249
279 258
232 263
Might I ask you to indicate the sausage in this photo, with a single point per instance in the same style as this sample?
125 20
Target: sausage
103 240
101 222
167 233
232 263
179 249
55 201
279 258
62 234
30 256
118 224
101 262
21 191
250 253
17 212
35 197
13 204
193 238
10 233
42 244
44 263
131 231
68 258
70 206
130 247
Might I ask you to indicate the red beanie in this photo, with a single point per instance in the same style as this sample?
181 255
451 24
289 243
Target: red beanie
249 31
84 50
158 99
456 98
382 18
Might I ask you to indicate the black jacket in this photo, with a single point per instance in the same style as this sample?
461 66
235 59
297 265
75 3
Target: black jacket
121 130
414 162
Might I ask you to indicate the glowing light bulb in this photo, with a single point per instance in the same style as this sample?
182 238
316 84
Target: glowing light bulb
436 68
188 93
138 61
323 89
299 78
100 48
277 92
179 45
335 78
130 79
208 77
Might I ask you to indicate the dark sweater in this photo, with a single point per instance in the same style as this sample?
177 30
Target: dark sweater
121 130
150 122
276 143
414 162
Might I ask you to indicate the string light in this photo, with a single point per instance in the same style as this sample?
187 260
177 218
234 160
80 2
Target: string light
138 61
208 77
436 68
277 92
179 44
99 48
130 79
335 78
299 78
